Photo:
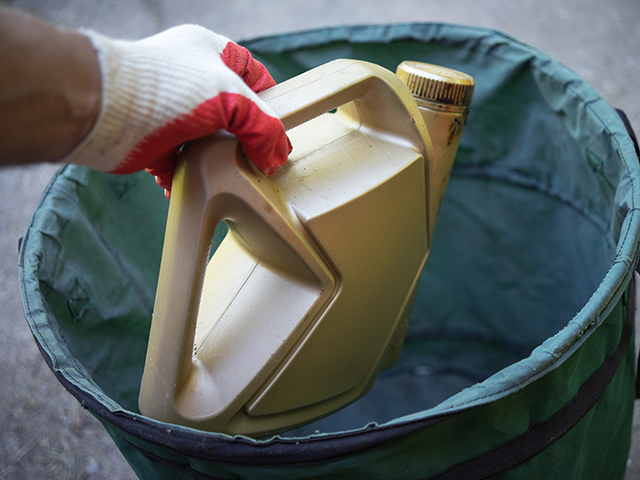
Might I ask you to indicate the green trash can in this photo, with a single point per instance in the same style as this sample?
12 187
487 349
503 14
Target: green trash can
519 362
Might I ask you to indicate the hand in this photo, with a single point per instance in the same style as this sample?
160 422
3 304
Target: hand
179 85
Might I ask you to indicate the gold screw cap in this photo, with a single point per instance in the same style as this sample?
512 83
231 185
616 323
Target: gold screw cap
434 83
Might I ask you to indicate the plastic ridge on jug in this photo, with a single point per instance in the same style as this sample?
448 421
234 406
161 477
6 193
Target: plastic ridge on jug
307 298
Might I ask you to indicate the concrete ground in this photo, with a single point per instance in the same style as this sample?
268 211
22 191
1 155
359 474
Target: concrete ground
45 434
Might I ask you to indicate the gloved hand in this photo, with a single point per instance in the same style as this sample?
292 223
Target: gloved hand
176 86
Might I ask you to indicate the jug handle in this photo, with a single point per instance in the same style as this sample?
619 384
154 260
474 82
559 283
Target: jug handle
213 181
384 103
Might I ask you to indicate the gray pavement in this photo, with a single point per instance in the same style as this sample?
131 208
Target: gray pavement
45 434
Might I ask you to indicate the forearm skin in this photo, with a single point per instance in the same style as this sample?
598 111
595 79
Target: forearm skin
50 89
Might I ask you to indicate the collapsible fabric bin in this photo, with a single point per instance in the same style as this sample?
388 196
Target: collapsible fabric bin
519 362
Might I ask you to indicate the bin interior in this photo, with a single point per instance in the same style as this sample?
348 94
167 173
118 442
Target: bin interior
527 231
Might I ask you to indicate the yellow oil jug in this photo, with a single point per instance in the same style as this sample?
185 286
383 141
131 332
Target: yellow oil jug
308 296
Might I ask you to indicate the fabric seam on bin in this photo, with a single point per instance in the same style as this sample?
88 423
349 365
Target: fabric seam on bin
106 246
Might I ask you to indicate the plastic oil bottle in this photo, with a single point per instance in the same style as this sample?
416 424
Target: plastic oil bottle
308 296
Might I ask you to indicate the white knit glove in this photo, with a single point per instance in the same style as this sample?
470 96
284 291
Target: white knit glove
179 85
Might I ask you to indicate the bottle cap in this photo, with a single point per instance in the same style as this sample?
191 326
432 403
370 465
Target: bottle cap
436 84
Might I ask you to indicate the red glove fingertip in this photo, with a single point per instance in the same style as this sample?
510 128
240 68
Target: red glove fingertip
270 151
252 72
262 136
163 170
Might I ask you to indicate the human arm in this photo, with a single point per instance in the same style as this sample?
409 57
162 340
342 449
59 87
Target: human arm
49 89
154 95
